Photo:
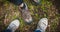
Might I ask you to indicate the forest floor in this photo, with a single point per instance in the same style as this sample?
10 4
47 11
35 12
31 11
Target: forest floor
9 12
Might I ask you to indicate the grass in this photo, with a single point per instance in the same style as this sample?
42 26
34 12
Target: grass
45 9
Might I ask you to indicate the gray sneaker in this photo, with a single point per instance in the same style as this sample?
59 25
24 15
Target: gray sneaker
37 2
42 24
14 25
25 13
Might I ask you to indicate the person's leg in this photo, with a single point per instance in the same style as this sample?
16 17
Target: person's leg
42 25
37 31
16 2
13 26
7 30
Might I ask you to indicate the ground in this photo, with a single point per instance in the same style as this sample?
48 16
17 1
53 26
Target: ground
9 12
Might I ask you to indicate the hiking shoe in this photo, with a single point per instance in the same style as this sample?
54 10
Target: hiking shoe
13 25
25 13
42 24
36 1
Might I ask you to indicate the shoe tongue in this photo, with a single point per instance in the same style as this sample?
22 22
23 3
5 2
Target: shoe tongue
24 6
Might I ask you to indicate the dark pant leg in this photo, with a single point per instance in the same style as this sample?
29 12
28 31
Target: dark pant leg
16 2
7 30
37 31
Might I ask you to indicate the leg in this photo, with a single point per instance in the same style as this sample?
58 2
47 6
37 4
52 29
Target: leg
16 2
7 30
42 25
37 31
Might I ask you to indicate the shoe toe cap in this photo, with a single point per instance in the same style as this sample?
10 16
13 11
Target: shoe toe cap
16 22
28 20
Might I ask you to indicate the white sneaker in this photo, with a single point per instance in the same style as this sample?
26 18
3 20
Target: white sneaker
14 25
25 13
42 24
